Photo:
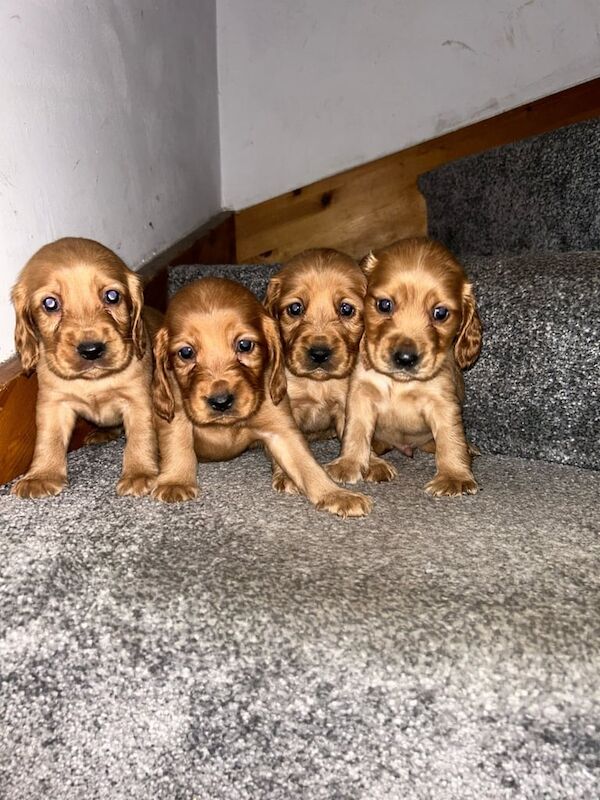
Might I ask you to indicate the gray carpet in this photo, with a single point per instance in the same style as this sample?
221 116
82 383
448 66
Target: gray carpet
538 194
248 646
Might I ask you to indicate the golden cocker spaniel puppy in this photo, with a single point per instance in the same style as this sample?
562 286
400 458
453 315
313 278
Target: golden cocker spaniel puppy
317 299
219 388
81 325
421 329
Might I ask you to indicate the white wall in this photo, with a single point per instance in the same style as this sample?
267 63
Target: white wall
108 127
312 87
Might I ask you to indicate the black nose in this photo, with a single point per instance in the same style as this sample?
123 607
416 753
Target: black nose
319 354
91 350
221 402
405 358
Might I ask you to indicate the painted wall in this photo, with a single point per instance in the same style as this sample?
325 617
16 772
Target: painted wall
312 87
108 127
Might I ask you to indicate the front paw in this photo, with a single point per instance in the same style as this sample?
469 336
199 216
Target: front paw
346 504
174 492
138 485
39 486
343 470
282 483
449 486
380 470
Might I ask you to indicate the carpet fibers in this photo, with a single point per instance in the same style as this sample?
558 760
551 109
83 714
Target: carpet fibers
248 646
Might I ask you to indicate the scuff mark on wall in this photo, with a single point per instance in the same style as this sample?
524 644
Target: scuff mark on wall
458 43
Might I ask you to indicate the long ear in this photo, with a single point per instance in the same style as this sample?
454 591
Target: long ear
138 329
277 381
162 396
368 263
26 340
468 343
271 300
363 355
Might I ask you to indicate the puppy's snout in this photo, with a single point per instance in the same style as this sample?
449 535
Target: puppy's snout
221 402
319 355
91 350
405 357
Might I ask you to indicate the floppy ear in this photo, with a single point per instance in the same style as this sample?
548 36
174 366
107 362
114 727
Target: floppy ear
363 355
368 263
468 342
271 300
277 381
162 396
138 329
26 340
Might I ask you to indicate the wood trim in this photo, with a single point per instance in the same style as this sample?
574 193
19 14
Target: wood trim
374 204
211 243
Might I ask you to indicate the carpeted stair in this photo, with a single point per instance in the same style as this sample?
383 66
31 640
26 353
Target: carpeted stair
247 646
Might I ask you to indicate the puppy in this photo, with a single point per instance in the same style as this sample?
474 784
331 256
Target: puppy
80 323
219 387
318 298
421 329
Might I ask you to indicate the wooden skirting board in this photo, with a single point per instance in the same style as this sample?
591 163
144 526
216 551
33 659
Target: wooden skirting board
365 207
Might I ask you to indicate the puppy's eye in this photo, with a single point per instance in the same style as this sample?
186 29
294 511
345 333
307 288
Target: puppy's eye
244 346
111 296
186 352
51 304
384 306
346 310
295 309
440 313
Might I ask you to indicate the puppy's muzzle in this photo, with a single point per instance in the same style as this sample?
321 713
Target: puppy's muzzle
319 355
221 402
91 351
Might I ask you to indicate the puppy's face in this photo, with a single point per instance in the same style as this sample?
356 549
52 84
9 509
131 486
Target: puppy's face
77 302
223 351
419 309
318 299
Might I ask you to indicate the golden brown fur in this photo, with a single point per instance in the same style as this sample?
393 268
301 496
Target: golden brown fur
408 388
317 299
220 388
110 386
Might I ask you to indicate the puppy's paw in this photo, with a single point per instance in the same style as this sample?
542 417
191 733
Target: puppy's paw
473 449
39 486
282 483
450 486
346 504
138 485
174 492
380 470
102 435
342 470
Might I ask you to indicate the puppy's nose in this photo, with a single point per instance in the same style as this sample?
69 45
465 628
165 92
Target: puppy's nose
221 402
405 357
319 354
91 350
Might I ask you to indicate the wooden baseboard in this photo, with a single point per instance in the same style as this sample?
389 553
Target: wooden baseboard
374 204
368 206
211 243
